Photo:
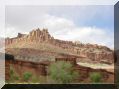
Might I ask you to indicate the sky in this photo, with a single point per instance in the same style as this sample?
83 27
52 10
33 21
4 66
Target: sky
86 23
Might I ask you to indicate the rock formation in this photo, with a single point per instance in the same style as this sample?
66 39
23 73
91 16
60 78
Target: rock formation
34 36
93 52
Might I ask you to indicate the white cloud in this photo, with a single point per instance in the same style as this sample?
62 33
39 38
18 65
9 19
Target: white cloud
65 29
89 35
11 31
62 28
56 25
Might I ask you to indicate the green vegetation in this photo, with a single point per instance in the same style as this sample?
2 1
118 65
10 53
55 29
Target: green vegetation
27 76
95 77
62 72
13 74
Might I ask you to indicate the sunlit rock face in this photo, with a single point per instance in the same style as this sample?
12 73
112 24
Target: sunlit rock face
93 52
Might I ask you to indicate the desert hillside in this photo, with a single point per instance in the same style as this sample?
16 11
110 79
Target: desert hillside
40 44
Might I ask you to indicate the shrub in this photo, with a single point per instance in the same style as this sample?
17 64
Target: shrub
95 77
27 76
62 72
16 77
13 74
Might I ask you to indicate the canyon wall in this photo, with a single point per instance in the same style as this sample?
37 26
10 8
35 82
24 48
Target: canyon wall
20 67
34 36
93 52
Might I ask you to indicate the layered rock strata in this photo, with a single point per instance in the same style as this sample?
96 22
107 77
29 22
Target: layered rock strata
93 52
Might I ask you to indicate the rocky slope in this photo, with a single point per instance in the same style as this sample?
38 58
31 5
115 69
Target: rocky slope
42 40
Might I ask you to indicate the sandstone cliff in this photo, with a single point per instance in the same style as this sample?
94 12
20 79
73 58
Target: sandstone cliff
92 52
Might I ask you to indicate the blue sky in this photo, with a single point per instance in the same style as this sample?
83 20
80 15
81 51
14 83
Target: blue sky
98 15
88 24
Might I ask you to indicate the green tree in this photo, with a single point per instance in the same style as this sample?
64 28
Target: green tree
95 77
13 75
62 72
27 76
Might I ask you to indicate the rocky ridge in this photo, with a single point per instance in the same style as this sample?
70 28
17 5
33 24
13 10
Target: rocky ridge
92 52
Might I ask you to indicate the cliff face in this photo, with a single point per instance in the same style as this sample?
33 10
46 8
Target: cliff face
93 52
34 36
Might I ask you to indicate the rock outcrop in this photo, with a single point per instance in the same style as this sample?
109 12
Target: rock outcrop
34 36
93 52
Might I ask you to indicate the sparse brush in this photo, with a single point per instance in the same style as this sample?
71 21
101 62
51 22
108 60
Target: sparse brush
27 76
95 77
